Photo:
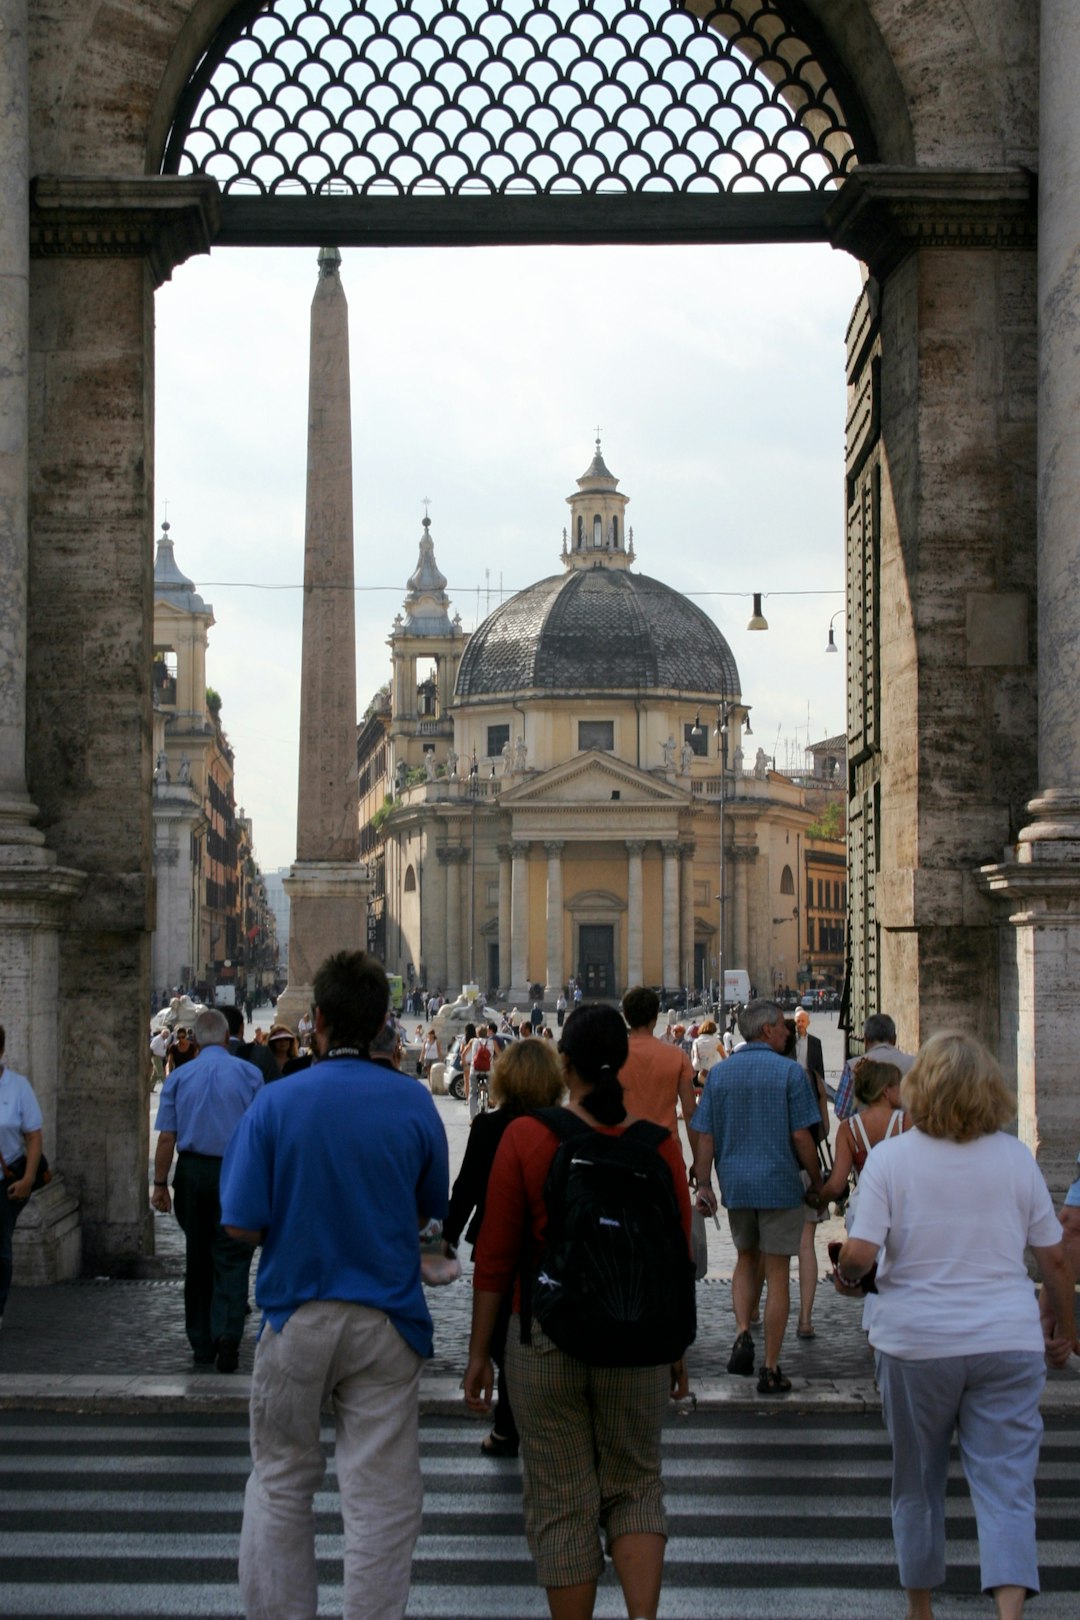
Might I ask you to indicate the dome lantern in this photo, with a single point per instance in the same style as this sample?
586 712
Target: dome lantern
597 536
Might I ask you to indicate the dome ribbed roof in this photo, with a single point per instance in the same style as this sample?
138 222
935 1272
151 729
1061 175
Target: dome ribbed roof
597 630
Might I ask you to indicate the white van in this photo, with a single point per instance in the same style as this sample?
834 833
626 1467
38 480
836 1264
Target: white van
736 986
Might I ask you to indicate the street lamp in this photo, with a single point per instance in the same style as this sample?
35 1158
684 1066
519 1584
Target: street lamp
727 709
474 790
832 647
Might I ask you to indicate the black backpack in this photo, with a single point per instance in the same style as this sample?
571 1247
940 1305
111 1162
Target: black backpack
615 1284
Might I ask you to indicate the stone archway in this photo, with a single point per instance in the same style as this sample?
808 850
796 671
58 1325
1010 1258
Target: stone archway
940 482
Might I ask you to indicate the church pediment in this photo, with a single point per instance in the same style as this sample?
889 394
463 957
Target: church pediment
590 779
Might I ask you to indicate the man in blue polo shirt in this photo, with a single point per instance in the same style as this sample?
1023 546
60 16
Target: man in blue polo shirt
755 1119
201 1104
334 1171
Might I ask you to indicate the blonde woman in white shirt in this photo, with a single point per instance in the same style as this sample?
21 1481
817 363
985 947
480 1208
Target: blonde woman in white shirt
955 1326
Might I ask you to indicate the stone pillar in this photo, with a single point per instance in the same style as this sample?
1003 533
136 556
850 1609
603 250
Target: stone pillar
555 974
505 909
687 915
635 935
327 886
1039 881
739 942
672 977
519 924
19 839
451 860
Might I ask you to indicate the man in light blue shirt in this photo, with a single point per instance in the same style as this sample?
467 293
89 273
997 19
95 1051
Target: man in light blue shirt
202 1103
334 1171
755 1119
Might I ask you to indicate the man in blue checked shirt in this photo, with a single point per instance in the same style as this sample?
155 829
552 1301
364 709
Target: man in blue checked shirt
755 1121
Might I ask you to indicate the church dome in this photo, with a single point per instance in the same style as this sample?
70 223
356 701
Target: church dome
597 629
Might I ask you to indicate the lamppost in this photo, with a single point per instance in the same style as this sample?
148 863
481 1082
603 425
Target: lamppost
727 709
473 789
831 646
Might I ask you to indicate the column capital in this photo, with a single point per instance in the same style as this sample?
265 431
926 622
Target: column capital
504 851
554 846
670 849
883 212
687 849
635 846
162 218
452 854
519 849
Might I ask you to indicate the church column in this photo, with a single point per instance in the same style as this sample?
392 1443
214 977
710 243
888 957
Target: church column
432 921
687 912
519 923
505 908
671 915
635 938
451 860
555 976
1041 880
739 942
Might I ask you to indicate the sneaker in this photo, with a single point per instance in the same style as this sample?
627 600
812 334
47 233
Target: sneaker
771 1381
741 1360
228 1354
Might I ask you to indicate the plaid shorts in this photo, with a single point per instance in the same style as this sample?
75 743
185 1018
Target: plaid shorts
590 1446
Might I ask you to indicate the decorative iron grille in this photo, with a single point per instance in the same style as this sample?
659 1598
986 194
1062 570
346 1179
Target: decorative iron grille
512 97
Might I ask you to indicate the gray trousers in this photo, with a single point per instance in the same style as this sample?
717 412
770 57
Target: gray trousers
992 1401
331 1348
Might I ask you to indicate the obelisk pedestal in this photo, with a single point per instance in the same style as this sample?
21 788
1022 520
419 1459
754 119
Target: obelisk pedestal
327 886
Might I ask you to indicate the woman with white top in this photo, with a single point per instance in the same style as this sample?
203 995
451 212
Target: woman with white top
20 1155
955 1326
706 1051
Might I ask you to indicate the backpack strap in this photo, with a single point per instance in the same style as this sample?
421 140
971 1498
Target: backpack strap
565 1126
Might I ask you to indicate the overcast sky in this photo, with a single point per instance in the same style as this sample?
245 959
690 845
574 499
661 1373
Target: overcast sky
479 376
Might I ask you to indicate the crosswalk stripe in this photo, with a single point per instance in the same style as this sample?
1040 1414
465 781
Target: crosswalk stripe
771 1518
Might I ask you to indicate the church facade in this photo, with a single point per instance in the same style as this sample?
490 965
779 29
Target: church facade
565 793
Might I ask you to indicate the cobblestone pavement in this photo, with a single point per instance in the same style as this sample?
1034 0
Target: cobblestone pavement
108 1340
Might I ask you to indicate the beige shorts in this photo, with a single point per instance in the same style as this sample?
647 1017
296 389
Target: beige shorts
773 1231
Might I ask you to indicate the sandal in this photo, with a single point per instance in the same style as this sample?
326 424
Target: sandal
496 1445
771 1381
806 1332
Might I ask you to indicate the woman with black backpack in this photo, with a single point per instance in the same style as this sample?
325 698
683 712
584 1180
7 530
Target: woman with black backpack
589 1211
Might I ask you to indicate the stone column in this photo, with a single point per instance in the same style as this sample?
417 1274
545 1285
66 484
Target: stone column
451 860
327 886
20 842
1039 881
687 915
671 915
519 924
505 908
635 936
740 943
555 975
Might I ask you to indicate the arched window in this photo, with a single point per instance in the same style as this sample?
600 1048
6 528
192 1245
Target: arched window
787 882
615 532
597 532
410 880
580 533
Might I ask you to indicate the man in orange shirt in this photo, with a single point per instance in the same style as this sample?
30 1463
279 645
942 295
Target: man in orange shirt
656 1075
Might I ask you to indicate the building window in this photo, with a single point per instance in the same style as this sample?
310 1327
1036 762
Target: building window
596 734
410 880
497 738
615 531
787 882
699 745
809 893
597 532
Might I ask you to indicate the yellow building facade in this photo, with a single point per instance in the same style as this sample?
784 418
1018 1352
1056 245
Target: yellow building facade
566 793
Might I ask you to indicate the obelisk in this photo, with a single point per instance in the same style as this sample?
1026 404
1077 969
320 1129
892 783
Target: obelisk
327 886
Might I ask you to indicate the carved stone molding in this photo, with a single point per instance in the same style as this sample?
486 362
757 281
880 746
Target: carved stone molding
882 213
451 855
742 852
160 218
